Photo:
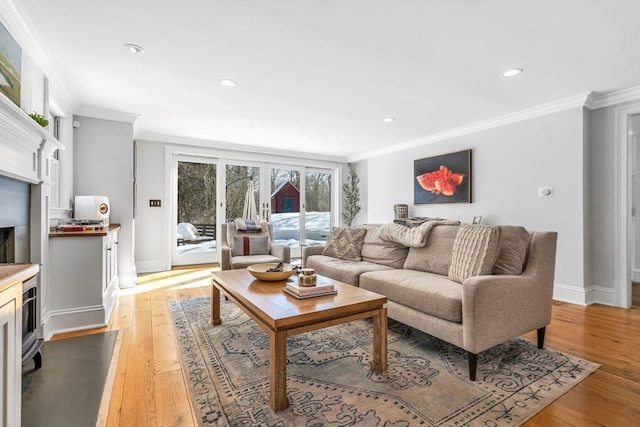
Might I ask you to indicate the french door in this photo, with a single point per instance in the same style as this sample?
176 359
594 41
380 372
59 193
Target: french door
194 216
207 191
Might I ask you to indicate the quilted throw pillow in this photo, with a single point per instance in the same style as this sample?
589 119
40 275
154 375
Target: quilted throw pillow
345 243
475 251
250 245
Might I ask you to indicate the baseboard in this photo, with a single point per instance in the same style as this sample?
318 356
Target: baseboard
70 320
570 294
150 266
601 295
635 275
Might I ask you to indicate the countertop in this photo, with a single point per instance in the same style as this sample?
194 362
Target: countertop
102 232
16 273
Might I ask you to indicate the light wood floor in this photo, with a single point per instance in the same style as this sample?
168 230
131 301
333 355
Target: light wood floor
149 388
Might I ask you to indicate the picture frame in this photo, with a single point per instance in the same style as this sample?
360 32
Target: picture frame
10 66
477 220
445 178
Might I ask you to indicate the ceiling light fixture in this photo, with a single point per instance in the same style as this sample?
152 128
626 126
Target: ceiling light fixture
513 72
134 49
389 119
227 82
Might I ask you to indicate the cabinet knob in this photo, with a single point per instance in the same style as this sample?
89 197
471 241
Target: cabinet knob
108 249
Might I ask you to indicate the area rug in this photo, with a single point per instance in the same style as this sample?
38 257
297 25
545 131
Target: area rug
329 382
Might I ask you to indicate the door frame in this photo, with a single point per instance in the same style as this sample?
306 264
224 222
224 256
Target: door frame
176 157
623 187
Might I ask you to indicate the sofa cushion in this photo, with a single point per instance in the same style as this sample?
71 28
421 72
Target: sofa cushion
475 251
426 292
342 270
435 256
379 251
250 245
514 245
345 243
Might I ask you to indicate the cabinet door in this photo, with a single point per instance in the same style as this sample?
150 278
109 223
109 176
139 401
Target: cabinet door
10 361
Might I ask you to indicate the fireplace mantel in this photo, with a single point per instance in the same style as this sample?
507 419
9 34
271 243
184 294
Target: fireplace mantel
26 147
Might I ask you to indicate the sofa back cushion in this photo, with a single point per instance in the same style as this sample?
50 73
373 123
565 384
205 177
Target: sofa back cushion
475 251
435 256
514 246
345 243
383 252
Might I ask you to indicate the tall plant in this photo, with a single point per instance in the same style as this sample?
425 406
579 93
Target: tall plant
351 194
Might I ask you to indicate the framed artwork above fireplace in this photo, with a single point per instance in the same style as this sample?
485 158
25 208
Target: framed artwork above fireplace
10 66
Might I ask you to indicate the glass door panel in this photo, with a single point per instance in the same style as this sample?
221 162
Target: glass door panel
317 207
285 207
242 188
195 214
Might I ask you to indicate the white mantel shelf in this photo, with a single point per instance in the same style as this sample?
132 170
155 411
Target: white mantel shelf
26 147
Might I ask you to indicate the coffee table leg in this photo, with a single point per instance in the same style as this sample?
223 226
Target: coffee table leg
215 305
379 363
278 371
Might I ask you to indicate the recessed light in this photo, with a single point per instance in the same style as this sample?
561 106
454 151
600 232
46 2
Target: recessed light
134 49
199 130
227 82
512 72
389 119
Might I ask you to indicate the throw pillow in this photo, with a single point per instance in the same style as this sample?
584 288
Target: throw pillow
345 243
435 256
474 251
514 244
250 245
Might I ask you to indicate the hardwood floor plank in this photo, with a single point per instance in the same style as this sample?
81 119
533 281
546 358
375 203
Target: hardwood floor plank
165 351
117 393
172 399
139 403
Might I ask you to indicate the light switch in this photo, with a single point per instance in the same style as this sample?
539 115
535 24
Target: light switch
155 203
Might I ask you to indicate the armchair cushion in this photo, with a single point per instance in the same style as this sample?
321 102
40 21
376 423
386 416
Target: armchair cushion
345 243
475 251
250 245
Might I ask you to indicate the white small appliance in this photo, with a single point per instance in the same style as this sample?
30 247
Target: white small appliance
92 208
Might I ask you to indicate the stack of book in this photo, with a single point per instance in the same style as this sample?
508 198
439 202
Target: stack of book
302 292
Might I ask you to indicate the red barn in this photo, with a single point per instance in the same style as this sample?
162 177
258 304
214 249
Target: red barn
285 199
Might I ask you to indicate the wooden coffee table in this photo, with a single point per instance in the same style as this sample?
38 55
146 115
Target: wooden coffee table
282 315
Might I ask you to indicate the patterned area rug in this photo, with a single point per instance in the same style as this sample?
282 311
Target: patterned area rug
329 382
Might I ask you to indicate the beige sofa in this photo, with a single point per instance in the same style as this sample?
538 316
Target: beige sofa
512 296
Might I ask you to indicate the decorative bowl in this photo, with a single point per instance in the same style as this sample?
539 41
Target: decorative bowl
259 271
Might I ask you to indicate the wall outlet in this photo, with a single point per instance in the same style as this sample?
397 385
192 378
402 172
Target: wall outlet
155 203
545 191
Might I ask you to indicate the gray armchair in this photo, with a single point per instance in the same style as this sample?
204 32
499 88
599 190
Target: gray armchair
236 260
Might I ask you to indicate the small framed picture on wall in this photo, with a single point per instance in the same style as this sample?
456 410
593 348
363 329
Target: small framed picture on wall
477 219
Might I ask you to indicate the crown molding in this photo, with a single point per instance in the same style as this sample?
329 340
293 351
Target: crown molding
527 114
101 113
612 98
17 22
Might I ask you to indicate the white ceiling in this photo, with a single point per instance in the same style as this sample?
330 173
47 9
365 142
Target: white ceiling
320 76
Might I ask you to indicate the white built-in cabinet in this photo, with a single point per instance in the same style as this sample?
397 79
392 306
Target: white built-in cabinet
12 277
83 279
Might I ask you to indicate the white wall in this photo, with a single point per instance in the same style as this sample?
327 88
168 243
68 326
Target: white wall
151 241
509 164
103 160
